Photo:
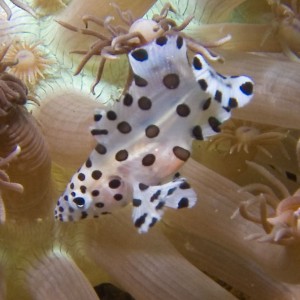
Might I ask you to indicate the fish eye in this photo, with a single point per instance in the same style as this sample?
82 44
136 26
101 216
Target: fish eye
79 201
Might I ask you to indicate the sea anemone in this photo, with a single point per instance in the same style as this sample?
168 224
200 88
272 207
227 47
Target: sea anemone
286 26
240 141
31 62
13 90
49 7
281 223
246 136
42 259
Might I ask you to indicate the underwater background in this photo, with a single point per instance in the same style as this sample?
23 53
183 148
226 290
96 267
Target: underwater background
241 240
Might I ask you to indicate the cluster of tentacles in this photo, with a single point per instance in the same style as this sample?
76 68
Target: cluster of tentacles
277 214
5 182
286 25
247 136
12 90
121 40
17 3
18 130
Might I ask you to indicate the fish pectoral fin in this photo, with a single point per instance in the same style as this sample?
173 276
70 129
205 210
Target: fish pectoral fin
149 201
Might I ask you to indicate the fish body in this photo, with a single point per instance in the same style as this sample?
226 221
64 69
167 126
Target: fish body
147 136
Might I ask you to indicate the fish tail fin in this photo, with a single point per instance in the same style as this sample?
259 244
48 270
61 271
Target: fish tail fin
224 94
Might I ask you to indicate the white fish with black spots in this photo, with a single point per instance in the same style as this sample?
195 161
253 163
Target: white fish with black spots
147 136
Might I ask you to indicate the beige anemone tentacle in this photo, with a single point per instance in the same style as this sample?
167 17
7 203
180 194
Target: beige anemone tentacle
56 276
73 113
146 265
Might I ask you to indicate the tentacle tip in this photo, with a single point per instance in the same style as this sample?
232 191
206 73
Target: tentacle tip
18 150
113 4
172 9
62 23
220 59
19 188
227 38
110 56
235 214
252 237
109 19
